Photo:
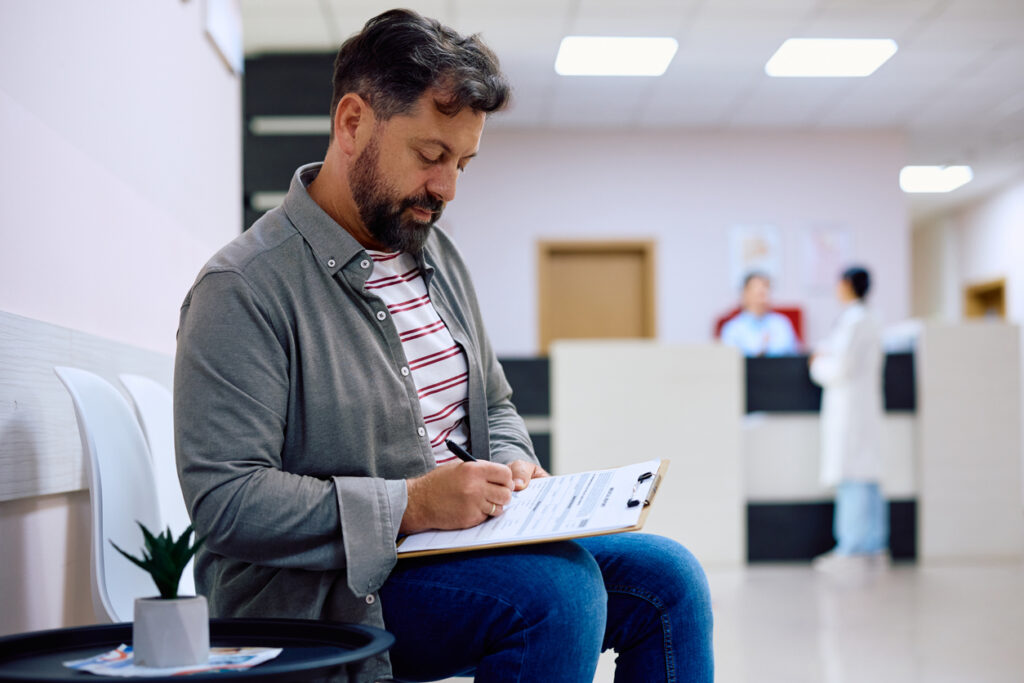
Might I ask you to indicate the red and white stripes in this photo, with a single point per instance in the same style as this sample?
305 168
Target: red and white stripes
436 362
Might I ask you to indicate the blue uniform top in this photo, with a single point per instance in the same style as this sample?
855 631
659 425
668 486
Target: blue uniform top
768 335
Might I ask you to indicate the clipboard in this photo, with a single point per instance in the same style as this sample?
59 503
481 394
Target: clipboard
513 527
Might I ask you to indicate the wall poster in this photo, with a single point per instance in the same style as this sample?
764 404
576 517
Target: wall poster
754 248
827 249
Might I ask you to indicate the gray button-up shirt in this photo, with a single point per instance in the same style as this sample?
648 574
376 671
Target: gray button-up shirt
294 426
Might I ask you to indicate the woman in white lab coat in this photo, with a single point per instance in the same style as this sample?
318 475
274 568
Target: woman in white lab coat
848 366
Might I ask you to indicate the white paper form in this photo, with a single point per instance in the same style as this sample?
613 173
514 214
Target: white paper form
554 507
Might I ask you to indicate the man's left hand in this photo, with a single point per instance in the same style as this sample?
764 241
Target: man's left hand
523 471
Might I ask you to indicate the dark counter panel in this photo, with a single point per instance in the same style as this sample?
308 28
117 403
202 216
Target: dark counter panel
531 384
900 383
788 532
783 385
542 449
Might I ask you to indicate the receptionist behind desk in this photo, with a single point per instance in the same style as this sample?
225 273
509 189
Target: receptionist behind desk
757 330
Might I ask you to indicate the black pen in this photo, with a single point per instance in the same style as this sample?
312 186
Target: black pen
458 450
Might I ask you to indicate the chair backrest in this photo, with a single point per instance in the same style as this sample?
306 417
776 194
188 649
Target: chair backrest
155 410
121 491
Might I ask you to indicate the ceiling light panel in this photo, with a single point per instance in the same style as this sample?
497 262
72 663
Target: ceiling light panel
614 56
933 179
830 57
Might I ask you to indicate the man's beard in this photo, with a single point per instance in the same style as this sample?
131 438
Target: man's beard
381 211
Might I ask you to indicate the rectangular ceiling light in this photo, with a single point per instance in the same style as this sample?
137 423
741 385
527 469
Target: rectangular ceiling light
934 178
614 56
830 57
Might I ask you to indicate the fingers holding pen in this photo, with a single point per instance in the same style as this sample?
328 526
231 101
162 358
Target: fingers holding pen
457 496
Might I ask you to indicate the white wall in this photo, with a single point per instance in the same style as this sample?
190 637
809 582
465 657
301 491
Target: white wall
987 243
120 174
121 167
990 242
935 284
685 190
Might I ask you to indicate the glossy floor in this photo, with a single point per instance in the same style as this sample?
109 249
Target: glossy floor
909 624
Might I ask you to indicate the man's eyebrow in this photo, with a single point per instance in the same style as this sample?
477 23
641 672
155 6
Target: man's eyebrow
443 145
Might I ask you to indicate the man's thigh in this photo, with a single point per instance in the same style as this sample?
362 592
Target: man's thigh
659 608
510 606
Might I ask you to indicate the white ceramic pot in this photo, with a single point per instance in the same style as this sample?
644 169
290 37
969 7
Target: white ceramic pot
170 633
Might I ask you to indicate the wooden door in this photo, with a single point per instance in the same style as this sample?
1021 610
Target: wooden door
986 300
595 290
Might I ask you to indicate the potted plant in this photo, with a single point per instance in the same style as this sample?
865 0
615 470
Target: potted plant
169 630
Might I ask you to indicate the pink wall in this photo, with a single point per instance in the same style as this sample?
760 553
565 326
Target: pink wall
121 171
121 174
685 190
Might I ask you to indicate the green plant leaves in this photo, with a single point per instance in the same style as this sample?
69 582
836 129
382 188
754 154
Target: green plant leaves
165 558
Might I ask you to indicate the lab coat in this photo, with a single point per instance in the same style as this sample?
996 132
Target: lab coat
848 366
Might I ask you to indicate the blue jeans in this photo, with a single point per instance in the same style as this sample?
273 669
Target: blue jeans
861 523
544 612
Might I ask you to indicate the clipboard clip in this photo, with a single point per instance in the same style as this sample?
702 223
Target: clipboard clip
633 500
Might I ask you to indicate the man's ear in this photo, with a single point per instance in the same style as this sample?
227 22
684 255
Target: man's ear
353 118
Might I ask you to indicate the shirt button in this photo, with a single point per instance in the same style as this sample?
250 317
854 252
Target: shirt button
331 262
370 599
381 315
421 431
405 372
364 263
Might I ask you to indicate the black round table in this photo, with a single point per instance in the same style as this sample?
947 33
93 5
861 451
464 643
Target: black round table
311 650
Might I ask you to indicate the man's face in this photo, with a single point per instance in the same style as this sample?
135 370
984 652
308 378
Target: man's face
407 172
756 295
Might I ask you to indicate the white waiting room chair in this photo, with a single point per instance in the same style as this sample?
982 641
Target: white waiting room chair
122 491
155 410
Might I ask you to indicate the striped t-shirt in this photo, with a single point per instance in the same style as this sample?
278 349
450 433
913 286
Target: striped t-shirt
436 362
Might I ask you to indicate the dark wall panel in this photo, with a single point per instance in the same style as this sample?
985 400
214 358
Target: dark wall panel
250 217
288 85
270 160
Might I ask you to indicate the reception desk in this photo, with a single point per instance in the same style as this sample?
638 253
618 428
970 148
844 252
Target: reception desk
789 512
743 436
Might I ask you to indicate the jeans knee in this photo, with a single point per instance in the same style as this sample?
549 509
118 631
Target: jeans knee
683 584
567 594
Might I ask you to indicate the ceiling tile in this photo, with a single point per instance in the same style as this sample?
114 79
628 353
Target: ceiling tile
788 102
276 26
954 85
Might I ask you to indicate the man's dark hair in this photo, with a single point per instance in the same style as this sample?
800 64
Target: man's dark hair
400 54
859 279
756 275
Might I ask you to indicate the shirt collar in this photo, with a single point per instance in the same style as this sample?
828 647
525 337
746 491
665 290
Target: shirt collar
331 243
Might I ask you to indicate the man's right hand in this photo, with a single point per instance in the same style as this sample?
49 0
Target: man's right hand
457 496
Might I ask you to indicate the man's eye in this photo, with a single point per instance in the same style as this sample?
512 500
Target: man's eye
428 160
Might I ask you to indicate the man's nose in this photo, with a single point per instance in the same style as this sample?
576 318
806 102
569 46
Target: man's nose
442 182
